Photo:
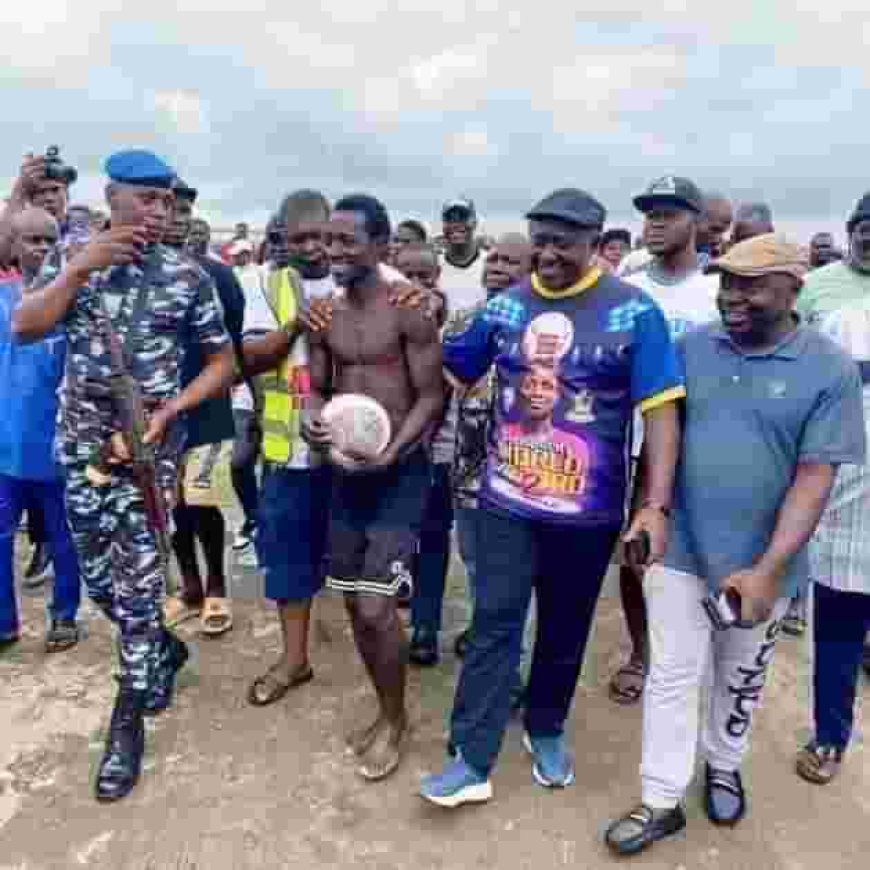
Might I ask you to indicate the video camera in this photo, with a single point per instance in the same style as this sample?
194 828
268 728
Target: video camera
56 169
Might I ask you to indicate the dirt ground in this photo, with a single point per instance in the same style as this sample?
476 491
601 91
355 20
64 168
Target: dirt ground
231 786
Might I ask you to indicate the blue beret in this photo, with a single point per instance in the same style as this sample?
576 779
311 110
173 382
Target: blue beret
139 167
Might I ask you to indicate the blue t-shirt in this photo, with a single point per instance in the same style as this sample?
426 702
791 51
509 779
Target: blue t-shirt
30 375
750 420
569 372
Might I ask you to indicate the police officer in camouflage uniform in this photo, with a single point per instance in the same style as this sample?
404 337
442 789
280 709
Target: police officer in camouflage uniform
156 302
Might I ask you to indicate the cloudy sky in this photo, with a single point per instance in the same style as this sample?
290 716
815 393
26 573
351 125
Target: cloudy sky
417 100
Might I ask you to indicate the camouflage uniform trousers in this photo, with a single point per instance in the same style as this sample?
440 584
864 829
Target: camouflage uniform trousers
120 565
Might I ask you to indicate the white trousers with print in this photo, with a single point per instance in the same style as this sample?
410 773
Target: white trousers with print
685 652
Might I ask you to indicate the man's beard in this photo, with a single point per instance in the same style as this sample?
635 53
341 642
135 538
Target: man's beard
306 268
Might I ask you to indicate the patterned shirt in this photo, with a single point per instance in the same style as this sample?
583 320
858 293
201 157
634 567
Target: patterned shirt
180 303
473 411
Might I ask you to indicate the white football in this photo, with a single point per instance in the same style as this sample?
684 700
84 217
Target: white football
359 425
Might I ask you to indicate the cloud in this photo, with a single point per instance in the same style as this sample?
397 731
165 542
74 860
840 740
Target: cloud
181 110
471 142
419 98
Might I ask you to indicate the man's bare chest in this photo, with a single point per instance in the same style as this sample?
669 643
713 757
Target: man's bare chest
370 337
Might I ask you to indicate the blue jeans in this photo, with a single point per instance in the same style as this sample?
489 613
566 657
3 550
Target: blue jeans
566 566
433 557
840 622
48 496
468 524
467 530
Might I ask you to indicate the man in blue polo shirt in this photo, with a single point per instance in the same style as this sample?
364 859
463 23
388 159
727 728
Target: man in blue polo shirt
29 475
772 409
574 352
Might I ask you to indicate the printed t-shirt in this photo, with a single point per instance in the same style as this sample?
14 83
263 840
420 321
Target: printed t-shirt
569 370
750 419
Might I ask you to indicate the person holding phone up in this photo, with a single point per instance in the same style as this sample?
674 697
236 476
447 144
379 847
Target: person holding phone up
772 408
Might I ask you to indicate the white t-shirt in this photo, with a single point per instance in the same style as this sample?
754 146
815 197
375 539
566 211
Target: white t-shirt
633 262
259 316
686 304
463 287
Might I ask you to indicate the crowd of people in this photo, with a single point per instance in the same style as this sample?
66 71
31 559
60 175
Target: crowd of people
691 404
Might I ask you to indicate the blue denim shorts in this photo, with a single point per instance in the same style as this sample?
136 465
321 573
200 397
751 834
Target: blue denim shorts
292 531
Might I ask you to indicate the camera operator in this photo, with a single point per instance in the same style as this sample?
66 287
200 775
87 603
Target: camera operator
43 182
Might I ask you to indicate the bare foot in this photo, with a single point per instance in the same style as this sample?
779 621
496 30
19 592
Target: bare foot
385 753
360 739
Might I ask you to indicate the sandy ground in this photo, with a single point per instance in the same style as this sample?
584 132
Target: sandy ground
230 786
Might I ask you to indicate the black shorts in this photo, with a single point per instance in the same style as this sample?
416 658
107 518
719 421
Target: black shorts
375 526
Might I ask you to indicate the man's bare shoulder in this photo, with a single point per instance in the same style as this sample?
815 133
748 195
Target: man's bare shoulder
417 325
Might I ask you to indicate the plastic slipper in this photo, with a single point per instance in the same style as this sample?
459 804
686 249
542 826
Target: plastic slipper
176 610
217 617
383 757
267 689
626 687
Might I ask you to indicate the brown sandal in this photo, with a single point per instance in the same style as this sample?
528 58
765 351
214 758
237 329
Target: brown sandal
818 764
217 617
626 687
176 610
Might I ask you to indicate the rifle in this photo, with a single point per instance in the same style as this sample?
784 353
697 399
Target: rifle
131 411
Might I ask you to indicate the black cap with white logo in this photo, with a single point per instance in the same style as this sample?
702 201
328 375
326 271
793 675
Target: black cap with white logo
671 190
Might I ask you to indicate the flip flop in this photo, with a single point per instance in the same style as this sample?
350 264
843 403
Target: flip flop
217 617
626 687
377 765
359 742
275 689
176 610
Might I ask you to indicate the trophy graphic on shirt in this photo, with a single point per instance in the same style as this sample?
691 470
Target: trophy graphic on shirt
581 410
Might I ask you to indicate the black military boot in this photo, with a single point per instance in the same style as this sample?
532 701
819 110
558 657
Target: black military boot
171 659
122 760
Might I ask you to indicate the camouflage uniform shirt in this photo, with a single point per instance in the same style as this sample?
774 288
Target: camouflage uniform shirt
180 309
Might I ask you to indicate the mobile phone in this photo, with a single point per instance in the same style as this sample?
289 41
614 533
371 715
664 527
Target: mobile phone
637 550
723 609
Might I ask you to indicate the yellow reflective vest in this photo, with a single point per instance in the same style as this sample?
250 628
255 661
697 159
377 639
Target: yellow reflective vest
284 390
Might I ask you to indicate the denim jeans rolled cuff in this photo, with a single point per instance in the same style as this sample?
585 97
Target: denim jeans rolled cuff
433 556
566 566
840 623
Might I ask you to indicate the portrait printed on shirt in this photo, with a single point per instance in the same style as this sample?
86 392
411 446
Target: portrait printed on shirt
542 458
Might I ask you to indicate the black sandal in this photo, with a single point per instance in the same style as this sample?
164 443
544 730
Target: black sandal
724 796
642 827
274 688
63 635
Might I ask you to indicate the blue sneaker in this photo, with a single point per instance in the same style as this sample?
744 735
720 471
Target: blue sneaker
457 784
552 766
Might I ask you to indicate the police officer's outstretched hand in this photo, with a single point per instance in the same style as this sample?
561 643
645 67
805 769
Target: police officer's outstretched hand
116 246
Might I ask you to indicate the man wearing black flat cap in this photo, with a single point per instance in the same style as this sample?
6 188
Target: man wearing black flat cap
126 289
575 351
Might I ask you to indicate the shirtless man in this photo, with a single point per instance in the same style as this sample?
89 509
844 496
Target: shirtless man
393 355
